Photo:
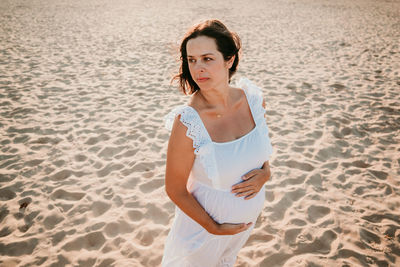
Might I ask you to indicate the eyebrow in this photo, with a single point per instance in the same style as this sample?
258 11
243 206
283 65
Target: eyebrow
202 55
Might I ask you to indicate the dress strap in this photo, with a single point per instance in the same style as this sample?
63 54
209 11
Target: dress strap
255 99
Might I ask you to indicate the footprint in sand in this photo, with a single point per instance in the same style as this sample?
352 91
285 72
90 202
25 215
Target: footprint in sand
99 207
317 212
337 87
62 194
91 241
135 215
115 228
52 220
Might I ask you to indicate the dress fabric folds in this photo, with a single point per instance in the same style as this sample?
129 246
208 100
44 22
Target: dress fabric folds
218 166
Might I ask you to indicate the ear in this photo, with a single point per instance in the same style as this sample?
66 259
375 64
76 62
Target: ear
229 63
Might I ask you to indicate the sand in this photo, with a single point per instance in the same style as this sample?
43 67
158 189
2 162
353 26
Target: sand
84 86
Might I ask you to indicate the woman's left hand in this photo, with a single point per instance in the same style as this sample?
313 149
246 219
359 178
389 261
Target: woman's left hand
252 183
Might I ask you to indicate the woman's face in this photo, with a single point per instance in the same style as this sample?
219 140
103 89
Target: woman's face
206 64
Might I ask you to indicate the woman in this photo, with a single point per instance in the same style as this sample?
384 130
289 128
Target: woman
218 152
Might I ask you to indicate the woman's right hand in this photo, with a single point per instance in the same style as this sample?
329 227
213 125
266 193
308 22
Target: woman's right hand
230 228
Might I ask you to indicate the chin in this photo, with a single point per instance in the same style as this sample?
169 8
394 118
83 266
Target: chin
206 86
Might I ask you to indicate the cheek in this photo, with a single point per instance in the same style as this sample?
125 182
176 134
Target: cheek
190 69
215 67
219 68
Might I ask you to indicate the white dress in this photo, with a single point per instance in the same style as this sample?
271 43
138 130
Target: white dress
217 166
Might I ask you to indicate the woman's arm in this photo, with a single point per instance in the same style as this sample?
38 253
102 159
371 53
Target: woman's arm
180 158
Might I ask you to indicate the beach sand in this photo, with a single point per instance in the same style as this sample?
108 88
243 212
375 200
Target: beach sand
84 87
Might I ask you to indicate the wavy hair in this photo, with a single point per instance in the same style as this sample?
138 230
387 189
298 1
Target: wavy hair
228 43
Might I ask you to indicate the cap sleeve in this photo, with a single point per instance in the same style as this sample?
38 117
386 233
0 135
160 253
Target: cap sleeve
170 117
193 123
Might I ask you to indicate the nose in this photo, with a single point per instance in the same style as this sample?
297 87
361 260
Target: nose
198 67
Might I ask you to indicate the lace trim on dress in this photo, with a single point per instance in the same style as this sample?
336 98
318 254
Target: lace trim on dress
190 120
202 144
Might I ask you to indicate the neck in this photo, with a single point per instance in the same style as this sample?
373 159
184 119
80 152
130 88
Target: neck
217 98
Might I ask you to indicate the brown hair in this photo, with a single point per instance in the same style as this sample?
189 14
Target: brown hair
228 43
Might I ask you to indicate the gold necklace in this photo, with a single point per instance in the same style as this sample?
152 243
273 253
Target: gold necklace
199 92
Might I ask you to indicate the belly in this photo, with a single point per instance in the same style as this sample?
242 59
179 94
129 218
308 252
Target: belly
225 207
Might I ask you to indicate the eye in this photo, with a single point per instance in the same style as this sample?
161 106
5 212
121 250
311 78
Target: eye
207 59
190 60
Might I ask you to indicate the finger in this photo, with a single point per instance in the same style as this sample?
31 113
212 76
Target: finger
248 175
242 185
237 228
244 227
243 189
250 196
246 193
247 226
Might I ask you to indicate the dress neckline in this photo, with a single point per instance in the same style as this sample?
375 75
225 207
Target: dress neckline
234 140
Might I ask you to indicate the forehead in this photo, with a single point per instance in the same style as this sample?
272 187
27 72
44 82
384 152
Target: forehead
201 45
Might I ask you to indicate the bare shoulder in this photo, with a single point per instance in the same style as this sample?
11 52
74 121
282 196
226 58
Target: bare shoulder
195 102
239 97
238 94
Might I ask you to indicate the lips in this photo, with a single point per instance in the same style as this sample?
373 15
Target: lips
202 79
